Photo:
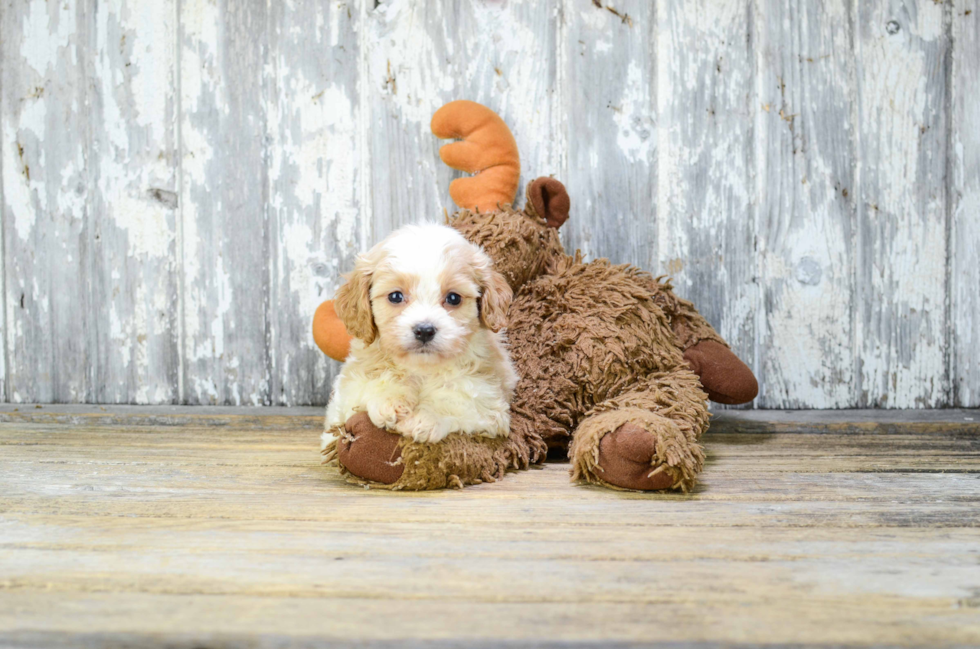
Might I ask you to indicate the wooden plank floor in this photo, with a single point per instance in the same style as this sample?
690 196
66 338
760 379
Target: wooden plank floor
218 527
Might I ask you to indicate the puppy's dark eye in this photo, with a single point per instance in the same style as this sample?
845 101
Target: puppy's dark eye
454 299
396 297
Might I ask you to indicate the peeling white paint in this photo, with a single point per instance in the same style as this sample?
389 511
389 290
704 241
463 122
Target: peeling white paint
636 134
314 141
901 333
296 240
606 113
148 225
119 336
804 331
401 37
717 156
222 282
193 278
704 187
17 189
46 37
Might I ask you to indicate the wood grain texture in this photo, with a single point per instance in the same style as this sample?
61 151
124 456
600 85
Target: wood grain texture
89 228
225 253
902 59
705 193
964 264
314 124
183 181
806 160
44 90
412 69
231 533
135 279
609 99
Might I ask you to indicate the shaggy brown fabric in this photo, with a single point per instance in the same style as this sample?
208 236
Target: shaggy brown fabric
456 461
688 325
724 376
598 349
520 244
669 405
581 335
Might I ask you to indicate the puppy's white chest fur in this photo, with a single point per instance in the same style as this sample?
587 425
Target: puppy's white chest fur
469 394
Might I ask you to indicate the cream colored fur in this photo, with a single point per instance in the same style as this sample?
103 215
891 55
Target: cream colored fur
460 381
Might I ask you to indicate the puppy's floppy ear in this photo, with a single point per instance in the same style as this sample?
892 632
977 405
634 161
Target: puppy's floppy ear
495 297
353 301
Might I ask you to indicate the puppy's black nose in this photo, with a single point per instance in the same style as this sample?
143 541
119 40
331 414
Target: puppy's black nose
424 332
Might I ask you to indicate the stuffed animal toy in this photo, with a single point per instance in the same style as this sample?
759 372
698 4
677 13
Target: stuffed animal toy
613 367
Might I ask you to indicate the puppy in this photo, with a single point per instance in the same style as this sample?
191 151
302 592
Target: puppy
424 307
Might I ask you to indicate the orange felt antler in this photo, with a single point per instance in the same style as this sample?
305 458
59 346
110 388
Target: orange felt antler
487 149
329 332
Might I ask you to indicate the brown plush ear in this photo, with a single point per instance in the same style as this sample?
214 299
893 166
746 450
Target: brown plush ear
353 302
495 299
550 200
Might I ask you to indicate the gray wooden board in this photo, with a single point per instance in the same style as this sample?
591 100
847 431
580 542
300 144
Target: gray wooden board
411 69
964 265
902 54
89 225
226 531
225 233
805 140
609 105
705 99
314 159
184 181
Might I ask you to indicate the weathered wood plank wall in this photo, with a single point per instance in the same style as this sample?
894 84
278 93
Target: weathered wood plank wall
963 285
183 181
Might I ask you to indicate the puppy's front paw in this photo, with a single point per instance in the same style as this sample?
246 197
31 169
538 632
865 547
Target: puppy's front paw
423 428
498 425
386 414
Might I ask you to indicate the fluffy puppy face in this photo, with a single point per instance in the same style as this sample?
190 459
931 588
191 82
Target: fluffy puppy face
423 293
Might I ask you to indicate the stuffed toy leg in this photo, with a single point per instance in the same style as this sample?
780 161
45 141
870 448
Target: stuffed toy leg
369 455
646 438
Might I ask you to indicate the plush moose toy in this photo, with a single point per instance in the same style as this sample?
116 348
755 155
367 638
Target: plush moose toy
613 367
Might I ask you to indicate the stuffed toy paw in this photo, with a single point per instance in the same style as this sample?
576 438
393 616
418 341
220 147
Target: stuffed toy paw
369 455
613 366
